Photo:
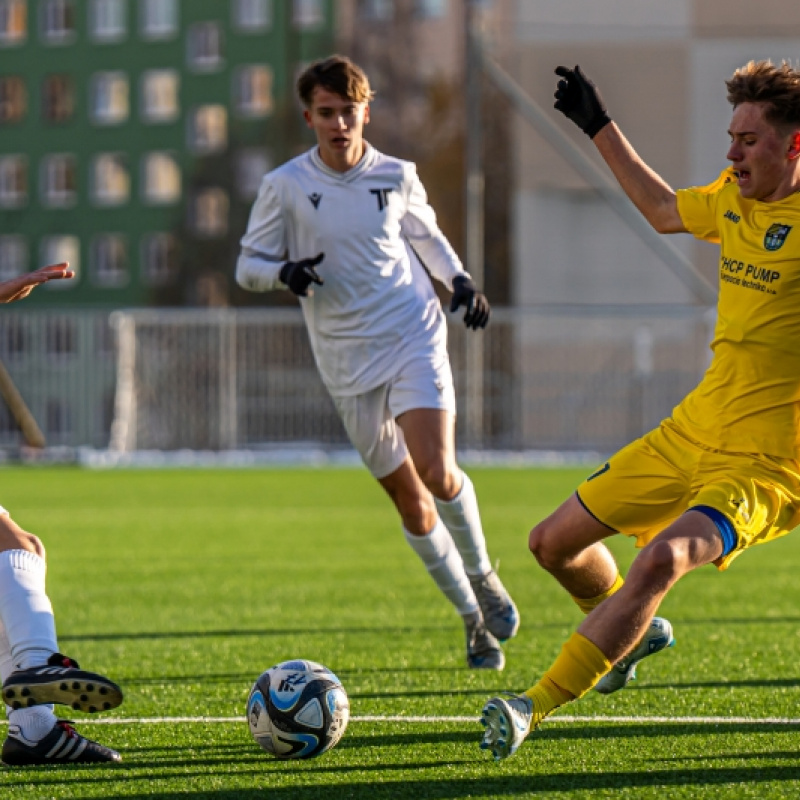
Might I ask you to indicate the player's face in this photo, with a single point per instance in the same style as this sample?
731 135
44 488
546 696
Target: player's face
764 157
339 126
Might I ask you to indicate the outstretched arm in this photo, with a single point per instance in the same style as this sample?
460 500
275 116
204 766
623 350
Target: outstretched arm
578 99
23 285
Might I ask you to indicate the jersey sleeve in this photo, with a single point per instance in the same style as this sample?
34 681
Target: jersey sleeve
697 206
263 250
420 228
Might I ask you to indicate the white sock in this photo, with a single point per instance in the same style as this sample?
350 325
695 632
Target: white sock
25 608
441 559
463 520
33 723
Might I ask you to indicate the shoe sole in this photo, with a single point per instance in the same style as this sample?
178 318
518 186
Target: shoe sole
497 723
88 695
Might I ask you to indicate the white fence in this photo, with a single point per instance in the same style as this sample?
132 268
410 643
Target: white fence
541 379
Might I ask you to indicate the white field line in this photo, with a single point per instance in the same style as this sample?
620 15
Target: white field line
632 720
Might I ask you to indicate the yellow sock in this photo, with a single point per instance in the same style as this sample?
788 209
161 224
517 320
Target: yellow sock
587 604
576 670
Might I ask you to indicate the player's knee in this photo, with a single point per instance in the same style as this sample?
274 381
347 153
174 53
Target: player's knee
440 479
418 514
544 546
660 563
22 540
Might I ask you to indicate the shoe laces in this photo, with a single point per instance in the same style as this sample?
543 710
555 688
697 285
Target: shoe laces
66 726
60 660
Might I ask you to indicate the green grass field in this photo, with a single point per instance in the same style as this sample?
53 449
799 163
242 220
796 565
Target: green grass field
185 585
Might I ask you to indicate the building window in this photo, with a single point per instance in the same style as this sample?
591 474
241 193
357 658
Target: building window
161 179
111 183
377 10
13 181
307 13
208 129
13 256
109 20
13 99
158 19
109 98
58 21
59 181
252 16
108 261
160 257
58 421
251 166
210 213
13 22
253 90
159 95
59 248
58 98
430 9
205 46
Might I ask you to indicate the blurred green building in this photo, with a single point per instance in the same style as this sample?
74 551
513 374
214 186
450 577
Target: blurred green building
134 134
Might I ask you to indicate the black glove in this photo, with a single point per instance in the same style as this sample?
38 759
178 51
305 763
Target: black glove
578 98
299 275
465 294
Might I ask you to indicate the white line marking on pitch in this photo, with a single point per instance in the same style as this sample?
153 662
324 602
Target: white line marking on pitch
457 719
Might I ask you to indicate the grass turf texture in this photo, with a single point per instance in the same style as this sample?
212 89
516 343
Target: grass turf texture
185 585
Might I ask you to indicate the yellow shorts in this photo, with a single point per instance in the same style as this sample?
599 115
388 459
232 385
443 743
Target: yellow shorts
648 484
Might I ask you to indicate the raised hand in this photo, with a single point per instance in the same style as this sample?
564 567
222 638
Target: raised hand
579 99
23 285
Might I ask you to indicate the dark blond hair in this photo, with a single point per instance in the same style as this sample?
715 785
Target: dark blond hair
777 87
337 74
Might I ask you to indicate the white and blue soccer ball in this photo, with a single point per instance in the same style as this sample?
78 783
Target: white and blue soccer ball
297 709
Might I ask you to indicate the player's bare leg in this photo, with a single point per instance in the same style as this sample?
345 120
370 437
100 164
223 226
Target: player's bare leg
568 545
607 634
431 541
430 438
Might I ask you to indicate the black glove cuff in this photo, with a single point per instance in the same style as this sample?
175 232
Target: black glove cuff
596 125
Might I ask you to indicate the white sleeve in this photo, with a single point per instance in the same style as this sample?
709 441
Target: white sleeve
419 226
263 250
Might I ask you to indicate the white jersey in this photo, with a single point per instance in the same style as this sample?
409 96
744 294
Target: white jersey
377 308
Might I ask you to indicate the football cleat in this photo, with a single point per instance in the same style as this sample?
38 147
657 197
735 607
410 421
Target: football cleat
61 681
483 650
658 637
507 723
63 745
499 612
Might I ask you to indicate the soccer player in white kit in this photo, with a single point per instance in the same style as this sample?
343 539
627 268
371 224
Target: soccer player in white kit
34 673
356 223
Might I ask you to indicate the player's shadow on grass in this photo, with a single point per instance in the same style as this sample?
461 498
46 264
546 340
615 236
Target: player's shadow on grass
759 683
382 630
497 784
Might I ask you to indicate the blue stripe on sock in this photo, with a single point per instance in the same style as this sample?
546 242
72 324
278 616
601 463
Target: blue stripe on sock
724 526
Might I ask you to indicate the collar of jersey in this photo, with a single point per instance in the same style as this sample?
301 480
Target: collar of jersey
351 174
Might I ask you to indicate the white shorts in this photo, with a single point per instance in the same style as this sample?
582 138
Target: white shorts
369 418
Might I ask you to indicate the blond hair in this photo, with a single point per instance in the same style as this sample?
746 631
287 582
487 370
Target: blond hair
777 87
337 74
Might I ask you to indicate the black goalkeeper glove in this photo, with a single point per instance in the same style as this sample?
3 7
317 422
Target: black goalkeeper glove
465 294
299 275
578 98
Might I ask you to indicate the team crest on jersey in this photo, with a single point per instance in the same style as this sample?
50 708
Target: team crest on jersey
315 198
776 236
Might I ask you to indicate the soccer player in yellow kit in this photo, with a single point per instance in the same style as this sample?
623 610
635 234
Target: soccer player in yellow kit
723 472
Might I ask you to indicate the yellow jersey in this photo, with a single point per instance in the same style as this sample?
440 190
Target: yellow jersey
749 398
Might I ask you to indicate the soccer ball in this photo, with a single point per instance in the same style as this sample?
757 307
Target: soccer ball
297 709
